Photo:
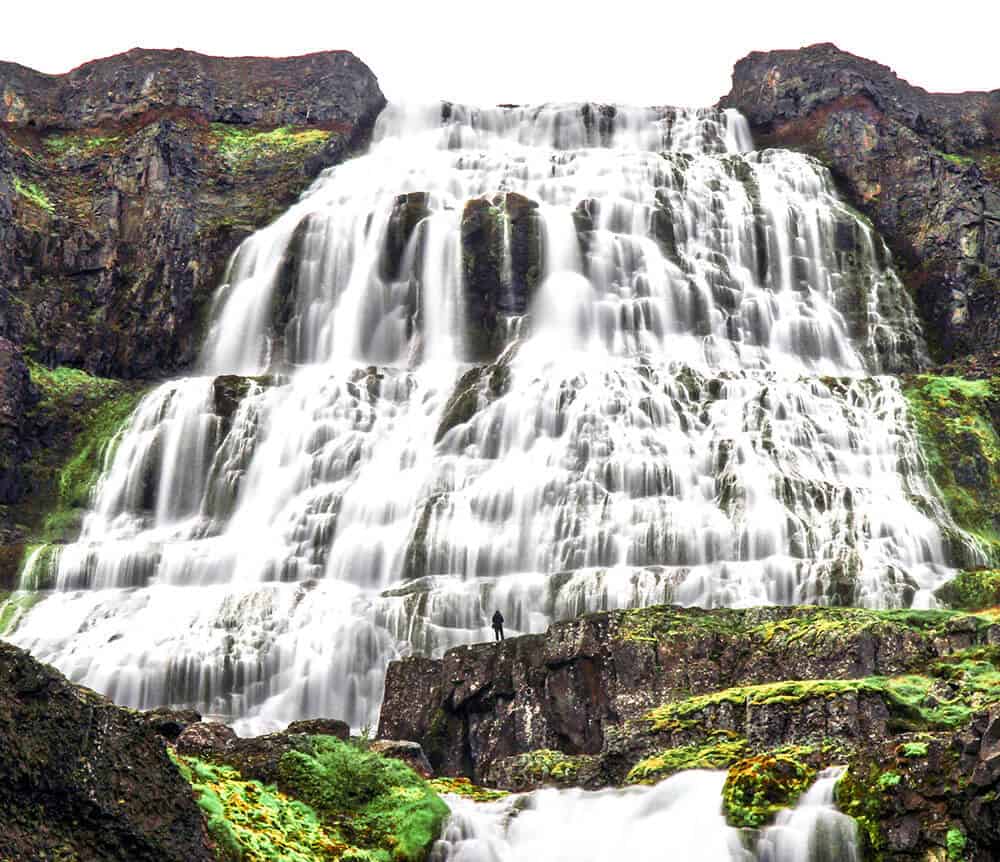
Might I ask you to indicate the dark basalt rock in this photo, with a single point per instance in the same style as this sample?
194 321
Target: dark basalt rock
81 778
925 167
170 723
634 696
121 196
321 727
17 395
492 230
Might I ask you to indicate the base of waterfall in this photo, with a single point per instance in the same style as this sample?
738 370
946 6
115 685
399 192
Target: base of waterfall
771 734
905 703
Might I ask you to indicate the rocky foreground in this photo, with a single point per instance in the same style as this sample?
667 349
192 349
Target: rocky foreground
82 779
908 701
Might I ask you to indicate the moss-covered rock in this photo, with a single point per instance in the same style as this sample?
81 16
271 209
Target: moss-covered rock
250 821
758 787
972 591
721 750
317 795
957 421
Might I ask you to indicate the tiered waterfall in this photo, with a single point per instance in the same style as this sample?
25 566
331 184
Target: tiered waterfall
549 360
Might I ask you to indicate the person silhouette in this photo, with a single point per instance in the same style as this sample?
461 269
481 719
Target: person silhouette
498 625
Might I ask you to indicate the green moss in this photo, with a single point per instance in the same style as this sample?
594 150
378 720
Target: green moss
955 844
544 766
13 607
466 789
334 801
962 449
862 793
722 750
380 803
78 143
913 749
915 701
758 787
972 591
888 779
34 193
816 629
239 145
250 822
96 408
955 159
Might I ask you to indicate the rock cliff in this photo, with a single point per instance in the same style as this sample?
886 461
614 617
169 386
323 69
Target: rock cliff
126 183
924 167
124 187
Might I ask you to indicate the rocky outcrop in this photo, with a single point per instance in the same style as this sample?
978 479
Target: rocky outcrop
565 689
125 185
81 778
925 167
633 696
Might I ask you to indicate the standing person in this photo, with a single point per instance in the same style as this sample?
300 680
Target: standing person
498 625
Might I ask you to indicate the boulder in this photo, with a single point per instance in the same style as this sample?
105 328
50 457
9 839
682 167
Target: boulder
410 753
81 778
321 727
170 723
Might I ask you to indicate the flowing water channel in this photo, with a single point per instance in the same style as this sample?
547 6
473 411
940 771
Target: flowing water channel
550 360
678 819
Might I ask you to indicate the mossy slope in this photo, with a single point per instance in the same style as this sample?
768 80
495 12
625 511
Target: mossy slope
957 423
332 801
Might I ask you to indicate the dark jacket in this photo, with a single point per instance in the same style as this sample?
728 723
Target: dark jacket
497 620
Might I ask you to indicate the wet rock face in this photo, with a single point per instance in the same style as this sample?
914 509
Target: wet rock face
502 264
83 779
925 167
126 184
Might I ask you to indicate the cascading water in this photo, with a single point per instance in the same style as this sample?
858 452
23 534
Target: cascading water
551 360
680 818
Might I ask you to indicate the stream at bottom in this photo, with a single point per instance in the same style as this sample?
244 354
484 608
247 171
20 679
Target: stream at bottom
679 819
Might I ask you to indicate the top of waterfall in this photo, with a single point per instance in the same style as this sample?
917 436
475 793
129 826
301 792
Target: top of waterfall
568 126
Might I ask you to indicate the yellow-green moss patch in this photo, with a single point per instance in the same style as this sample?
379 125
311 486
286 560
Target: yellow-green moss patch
722 750
239 145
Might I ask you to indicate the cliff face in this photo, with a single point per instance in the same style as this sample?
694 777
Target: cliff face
126 184
632 696
924 167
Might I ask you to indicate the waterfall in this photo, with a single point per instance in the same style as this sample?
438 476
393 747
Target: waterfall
552 360
679 818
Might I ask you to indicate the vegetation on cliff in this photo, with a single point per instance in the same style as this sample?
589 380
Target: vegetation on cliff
972 591
240 146
94 409
957 421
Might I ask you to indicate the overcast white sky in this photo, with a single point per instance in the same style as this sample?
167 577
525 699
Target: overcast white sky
489 51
